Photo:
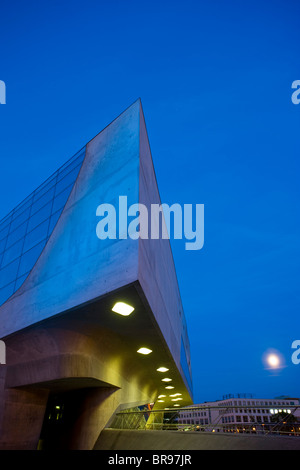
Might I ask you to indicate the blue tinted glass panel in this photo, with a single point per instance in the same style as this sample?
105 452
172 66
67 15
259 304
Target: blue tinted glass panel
20 281
36 235
22 207
6 292
61 199
4 222
67 169
70 178
2 244
68 166
53 221
29 258
4 232
40 216
20 219
9 273
25 230
17 234
43 200
50 183
12 253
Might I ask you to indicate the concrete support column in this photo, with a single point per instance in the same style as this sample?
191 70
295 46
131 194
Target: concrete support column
96 408
22 414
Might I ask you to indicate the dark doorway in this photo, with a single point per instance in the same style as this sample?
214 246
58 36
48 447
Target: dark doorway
59 420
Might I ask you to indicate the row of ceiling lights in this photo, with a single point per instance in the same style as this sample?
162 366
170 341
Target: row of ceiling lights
125 310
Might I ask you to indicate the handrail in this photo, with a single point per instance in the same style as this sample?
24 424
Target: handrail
172 419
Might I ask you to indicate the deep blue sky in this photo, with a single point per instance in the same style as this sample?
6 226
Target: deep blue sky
215 82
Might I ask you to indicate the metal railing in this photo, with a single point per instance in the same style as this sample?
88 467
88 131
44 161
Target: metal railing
215 419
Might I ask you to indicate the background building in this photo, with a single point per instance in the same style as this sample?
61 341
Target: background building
241 413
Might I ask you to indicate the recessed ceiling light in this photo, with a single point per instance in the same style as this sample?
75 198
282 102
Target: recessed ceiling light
176 404
176 399
162 369
176 395
169 387
162 396
122 309
166 379
144 351
161 401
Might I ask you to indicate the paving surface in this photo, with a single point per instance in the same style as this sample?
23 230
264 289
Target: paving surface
113 439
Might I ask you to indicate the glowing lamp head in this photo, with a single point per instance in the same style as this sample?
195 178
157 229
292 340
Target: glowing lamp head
122 309
162 369
144 351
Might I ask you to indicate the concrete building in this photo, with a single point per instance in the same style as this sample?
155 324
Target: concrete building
78 313
237 414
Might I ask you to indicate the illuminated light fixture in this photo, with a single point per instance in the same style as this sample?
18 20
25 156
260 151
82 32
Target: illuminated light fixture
176 404
162 369
166 379
144 351
176 395
176 399
122 309
161 401
169 387
161 396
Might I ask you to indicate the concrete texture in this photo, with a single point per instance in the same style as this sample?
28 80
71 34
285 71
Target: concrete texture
59 330
111 439
76 267
157 273
23 416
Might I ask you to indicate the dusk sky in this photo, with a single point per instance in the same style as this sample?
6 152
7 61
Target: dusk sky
215 82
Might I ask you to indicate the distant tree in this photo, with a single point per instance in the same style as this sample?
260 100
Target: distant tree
284 423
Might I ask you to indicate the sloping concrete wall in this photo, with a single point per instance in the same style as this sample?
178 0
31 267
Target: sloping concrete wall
157 273
75 266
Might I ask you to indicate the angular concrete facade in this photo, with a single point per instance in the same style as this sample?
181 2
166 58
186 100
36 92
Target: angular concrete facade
63 342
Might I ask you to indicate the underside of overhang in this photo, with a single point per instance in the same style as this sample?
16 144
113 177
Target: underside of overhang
92 346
